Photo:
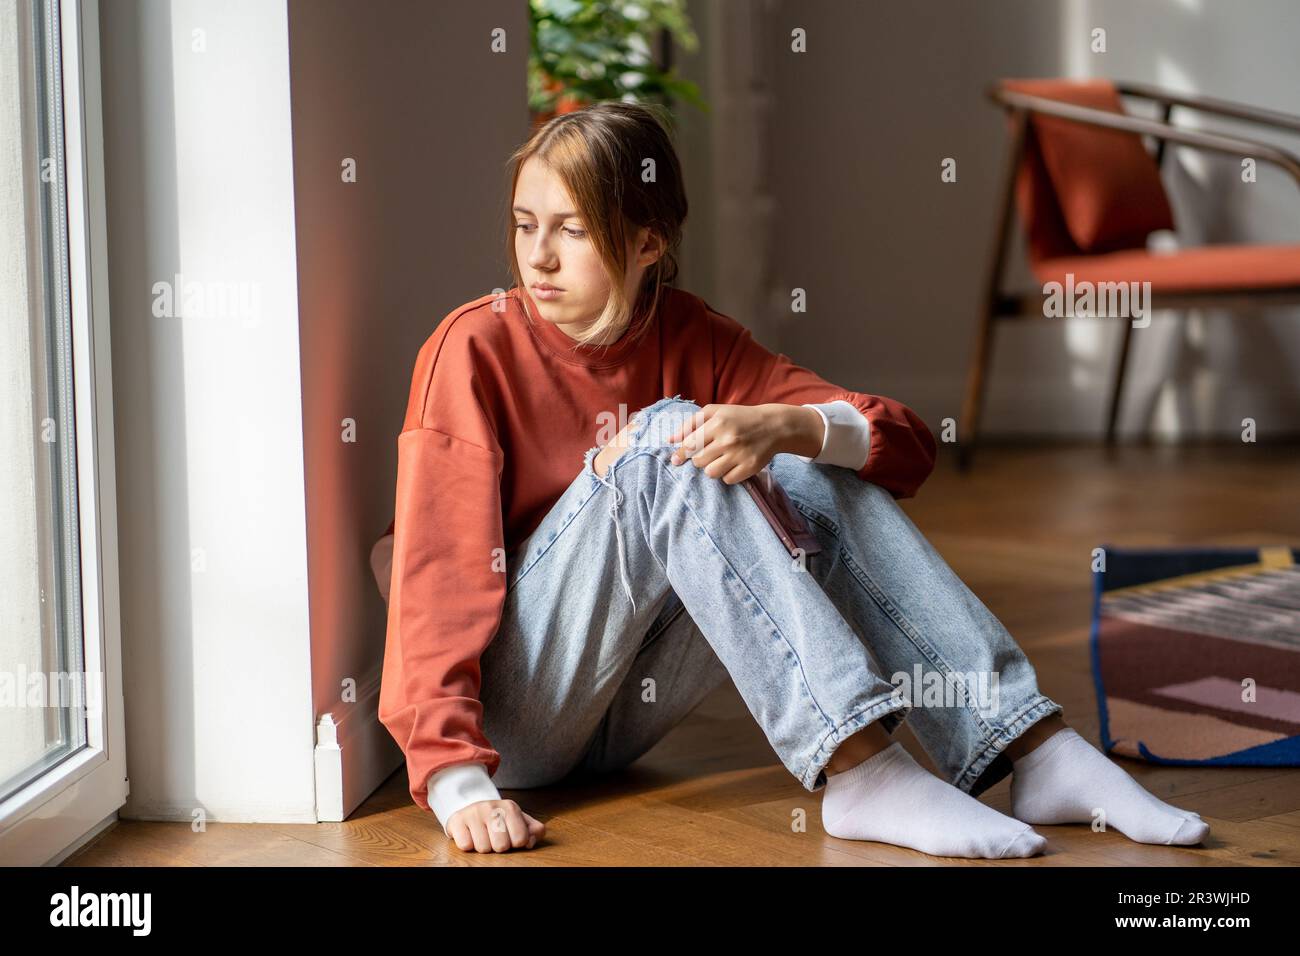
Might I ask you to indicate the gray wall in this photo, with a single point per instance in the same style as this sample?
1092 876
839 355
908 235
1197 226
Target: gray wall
892 258
411 91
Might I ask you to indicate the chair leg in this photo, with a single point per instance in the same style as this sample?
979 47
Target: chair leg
1117 388
977 378
976 386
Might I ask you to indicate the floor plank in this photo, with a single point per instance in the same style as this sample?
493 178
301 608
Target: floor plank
1019 529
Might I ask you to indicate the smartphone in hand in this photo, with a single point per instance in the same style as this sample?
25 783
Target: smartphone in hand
786 520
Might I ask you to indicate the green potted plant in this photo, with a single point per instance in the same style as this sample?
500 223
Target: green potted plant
588 50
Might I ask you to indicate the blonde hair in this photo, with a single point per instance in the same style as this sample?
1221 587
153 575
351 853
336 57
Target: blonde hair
599 153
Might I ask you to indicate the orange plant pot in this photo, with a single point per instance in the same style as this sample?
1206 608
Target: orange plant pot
565 103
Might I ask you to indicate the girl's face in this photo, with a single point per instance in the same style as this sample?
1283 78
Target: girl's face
553 248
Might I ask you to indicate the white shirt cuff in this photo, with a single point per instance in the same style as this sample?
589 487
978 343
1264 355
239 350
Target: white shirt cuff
456 787
847 438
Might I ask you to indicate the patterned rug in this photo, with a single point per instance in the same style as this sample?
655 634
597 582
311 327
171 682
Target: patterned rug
1196 655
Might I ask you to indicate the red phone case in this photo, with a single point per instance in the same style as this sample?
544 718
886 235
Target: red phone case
787 521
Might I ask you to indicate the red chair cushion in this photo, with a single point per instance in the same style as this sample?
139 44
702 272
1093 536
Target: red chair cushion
1201 269
1107 187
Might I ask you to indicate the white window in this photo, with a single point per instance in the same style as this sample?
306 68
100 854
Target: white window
62 760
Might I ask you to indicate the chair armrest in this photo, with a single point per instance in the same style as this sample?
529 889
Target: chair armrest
1216 142
1207 104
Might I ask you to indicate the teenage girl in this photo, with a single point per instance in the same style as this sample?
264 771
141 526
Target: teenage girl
575 564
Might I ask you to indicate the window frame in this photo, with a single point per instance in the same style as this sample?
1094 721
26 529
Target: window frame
53 815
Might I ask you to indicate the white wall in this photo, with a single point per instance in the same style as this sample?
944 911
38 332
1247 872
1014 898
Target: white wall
212 534
893 259
1209 373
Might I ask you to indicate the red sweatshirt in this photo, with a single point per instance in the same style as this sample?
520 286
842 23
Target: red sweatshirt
502 409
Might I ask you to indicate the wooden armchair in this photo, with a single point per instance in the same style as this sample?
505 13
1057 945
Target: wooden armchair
1089 194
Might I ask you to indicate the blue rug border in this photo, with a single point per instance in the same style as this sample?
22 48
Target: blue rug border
1128 567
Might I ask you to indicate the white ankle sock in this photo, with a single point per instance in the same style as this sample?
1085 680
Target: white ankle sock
1065 779
890 798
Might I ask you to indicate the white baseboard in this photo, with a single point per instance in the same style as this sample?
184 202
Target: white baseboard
354 753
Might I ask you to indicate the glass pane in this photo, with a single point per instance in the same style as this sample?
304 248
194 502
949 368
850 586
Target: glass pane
43 690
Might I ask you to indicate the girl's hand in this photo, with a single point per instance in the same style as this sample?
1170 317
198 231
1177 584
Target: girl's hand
735 442
494 826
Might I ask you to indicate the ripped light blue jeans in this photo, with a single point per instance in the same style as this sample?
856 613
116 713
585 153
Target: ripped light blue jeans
642 591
